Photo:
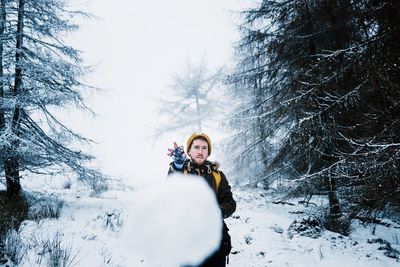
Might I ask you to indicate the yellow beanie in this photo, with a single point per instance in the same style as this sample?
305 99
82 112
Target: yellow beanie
195 136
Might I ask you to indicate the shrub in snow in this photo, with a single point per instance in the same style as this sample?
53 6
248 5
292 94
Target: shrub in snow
263 184
58 255
99 186
3 259
12 212
308 226
339 224
67 184
112 220
14 248
176 223
387 247
45 207
52 251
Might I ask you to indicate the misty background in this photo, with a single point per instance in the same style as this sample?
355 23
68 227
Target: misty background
135 48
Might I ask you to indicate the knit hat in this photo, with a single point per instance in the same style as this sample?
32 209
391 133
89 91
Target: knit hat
196 136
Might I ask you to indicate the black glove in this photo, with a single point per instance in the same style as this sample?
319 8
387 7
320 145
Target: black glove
178 155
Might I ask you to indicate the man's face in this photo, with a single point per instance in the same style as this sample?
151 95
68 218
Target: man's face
199 151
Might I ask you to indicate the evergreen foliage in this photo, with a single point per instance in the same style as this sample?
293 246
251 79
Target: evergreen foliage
321 79
192 100
39 74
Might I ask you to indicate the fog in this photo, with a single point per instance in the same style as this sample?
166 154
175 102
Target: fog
135 48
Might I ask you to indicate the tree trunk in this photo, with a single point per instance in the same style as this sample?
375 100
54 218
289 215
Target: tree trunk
198 113
338 17
335 221
2 26
334 205
261 125
12 163
11 167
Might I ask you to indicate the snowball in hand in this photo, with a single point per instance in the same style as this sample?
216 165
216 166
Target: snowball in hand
176 223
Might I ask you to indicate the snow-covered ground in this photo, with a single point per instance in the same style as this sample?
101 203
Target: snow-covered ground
94 230
259 231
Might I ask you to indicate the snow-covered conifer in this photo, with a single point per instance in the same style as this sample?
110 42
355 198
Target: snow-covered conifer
40 74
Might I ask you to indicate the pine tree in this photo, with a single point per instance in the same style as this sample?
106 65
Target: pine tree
328 84
43 76
193 100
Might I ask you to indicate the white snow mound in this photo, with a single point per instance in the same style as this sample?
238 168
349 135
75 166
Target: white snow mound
176 223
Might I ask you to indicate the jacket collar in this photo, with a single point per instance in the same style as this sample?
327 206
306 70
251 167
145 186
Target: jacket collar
207 166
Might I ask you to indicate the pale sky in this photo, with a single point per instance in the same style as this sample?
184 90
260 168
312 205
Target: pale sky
136 46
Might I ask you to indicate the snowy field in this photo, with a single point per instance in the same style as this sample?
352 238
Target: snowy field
259 231
107 230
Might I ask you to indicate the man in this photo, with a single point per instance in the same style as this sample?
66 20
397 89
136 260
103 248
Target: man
199 149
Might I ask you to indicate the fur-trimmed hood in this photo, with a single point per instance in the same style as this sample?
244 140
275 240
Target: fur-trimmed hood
207 165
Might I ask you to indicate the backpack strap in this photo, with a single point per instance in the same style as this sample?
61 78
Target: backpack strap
217 177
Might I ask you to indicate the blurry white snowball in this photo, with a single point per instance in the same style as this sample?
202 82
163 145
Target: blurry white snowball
175 223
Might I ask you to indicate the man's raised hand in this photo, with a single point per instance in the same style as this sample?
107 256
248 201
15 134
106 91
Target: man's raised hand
177 154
